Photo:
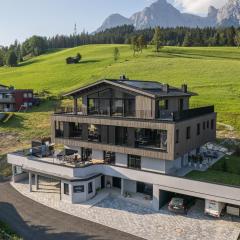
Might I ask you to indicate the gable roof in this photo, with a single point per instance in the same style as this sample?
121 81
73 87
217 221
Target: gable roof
151 89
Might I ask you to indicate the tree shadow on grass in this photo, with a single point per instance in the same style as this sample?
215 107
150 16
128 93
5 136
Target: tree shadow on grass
188 55
88 61
15 122
29 62
179 54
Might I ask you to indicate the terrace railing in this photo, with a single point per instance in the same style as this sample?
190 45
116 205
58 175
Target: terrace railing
163 115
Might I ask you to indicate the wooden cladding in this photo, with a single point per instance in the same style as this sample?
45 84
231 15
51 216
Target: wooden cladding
145 107
114 148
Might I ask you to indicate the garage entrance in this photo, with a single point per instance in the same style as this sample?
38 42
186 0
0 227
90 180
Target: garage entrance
117 182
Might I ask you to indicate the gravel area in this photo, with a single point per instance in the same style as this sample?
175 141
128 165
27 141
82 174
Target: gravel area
118 213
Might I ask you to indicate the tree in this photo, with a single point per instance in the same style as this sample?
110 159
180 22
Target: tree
158 39
142 42
2 58
188 41
35 45
224 166
116 54
237 39
78 57
135 45
11 59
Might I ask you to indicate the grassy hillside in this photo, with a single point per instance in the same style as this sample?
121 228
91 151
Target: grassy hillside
211 72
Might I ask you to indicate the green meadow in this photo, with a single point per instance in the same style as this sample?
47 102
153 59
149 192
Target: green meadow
212 72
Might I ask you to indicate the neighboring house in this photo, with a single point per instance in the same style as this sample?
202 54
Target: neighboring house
131 135
12 100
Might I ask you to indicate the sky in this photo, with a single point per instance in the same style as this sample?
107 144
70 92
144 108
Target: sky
22 19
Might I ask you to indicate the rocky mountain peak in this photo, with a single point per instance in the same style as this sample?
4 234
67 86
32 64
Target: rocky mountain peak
229 14
162 13
212 12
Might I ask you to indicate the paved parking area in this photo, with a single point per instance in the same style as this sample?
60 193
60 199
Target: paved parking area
119 213
34 221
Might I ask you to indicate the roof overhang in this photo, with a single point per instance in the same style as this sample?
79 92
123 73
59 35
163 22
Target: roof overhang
112 83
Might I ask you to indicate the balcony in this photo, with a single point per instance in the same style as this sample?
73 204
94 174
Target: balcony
7 100
162 116
59 158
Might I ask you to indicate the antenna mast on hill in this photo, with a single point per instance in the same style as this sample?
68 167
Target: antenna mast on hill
75 35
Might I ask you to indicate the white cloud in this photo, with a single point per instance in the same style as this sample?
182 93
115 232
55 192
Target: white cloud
198 6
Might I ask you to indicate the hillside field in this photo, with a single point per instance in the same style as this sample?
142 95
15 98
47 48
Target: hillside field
212 72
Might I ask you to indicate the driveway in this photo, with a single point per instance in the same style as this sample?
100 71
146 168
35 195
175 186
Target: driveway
32 220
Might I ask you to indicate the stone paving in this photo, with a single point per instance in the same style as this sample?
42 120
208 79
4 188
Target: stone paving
119 213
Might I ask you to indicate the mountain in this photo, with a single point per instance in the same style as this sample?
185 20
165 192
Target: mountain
114 20
163 14
229 14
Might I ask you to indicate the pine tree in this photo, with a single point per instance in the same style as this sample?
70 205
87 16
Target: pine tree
2 58
141 42
237 38
11 59
188 41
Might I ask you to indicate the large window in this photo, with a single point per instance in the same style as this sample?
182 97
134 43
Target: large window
181 104
66 188
134 162
121 136
78 189
109 157
59 129
90 188
198 129
86 154
145 188
151 138
111 102
212 124
76 130
188 132
94 133
177 136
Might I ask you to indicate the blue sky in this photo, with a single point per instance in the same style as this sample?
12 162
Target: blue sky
21 19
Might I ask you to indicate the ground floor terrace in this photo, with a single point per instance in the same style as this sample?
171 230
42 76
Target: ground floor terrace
132 213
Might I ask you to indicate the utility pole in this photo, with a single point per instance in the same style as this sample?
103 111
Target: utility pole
75 35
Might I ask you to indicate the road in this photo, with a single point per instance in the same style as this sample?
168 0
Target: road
34 221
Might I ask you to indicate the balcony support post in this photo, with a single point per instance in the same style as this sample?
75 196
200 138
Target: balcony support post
122 186
75 106
36 182
30 182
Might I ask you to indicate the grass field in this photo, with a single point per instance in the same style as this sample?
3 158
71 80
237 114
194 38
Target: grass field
226 171
6 233
212 72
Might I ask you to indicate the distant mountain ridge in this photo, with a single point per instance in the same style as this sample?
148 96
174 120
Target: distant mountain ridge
163 14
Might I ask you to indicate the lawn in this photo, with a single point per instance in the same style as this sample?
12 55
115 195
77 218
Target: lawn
225 171
6 233
212 72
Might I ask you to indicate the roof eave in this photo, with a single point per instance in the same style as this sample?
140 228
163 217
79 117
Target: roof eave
77 92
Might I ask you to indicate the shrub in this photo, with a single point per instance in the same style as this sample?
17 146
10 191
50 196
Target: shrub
237 151
224 166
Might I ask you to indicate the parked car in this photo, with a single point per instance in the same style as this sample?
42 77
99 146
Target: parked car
180 204
214 208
